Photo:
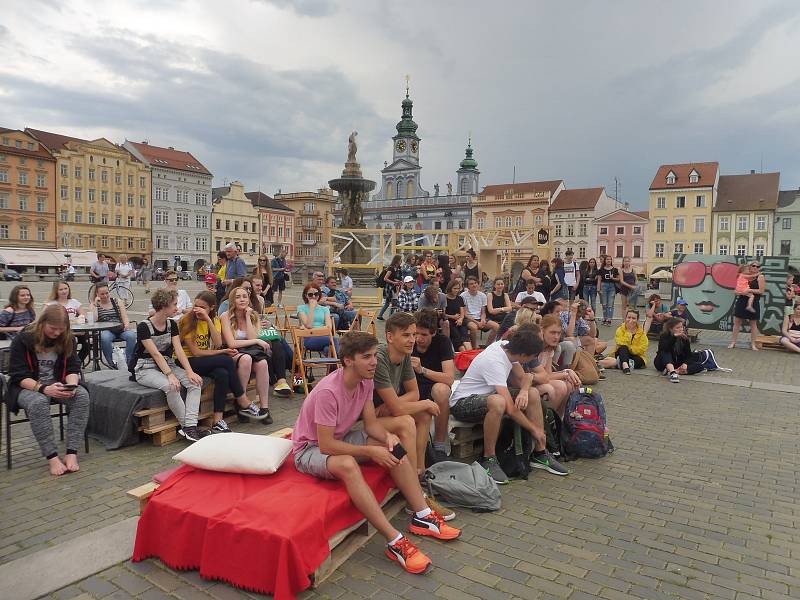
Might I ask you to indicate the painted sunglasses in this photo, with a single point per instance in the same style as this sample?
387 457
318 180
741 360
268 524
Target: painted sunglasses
692 274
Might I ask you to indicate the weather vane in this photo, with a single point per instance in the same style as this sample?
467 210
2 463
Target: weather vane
408 78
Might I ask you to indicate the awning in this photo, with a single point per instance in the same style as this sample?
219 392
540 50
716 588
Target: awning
36 257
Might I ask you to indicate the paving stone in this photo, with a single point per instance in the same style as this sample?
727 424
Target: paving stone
130 582
97 587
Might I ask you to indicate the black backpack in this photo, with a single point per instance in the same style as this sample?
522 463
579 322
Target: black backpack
514 447
379 282
553 429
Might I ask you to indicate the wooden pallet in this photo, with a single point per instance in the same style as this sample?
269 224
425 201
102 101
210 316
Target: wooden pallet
342 544
770 342
466 441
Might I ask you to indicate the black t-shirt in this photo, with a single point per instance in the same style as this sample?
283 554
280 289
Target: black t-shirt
440 350
161 338
544 287
497 302
454 306
608 275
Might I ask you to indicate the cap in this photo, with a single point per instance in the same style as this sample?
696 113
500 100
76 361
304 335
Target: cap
210 278
530 300
407 278
682 301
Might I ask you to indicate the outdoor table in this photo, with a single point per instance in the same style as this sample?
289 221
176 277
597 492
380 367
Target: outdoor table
92 332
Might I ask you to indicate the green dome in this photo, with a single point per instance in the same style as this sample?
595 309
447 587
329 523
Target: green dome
407 128
469 162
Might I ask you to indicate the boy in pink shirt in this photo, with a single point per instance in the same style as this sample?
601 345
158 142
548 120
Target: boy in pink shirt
326 446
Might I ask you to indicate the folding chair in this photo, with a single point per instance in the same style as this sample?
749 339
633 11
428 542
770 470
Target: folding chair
366 321
302 356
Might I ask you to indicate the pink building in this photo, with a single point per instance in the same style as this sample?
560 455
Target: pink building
623 233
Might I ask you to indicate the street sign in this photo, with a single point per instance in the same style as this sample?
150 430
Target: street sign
543 237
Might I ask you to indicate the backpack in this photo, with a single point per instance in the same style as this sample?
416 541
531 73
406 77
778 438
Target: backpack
584 426
464 358
464 485
709 361
379 279
553 429
514 448
585 366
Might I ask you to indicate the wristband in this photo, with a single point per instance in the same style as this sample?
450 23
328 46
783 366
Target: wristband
40 388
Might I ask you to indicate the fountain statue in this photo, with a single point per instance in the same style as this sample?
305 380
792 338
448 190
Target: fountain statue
353 189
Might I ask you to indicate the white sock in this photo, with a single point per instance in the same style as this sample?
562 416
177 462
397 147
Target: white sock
424 512
397 539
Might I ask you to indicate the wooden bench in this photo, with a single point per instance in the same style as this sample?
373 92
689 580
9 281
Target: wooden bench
770 342
342 544
466 439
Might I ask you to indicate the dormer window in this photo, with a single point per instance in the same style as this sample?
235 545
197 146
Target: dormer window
671 178
694 176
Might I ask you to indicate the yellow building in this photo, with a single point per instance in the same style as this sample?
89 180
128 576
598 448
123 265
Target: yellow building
27 192
744 214
102 196
234 219
681 199
313 223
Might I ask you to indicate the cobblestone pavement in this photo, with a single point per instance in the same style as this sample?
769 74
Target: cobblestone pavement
698 501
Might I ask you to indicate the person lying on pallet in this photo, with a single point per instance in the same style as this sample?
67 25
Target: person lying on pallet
326 446
482 396
432 361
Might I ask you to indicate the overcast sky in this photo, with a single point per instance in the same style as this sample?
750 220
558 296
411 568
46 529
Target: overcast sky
267 91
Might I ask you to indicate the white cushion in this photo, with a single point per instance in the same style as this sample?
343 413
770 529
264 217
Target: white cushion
237 453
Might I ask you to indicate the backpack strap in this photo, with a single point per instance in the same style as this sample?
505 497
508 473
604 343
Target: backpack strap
119 315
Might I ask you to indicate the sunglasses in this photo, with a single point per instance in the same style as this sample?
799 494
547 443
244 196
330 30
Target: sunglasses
692 274
312 294
755 266
171 280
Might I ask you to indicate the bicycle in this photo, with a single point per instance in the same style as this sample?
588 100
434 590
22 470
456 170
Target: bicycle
123 293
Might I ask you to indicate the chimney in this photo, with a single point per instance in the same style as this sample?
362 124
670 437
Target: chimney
752 171
171 148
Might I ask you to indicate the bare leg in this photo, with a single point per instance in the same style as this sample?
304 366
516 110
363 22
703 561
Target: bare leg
753 334
472 326
422 421
493 327
405 474
405 428
737 324
441 395
532 420
262 382
609 362
491 423
558 399
244 368
786 343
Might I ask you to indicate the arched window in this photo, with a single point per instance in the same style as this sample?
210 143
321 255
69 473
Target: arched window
389 189
399 188
465 187
410 188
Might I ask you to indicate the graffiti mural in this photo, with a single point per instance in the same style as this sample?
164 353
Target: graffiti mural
708 283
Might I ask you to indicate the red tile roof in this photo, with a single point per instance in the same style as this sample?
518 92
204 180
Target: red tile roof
585 198
40 153
522 188
169 158
707 171
756 191
56 141
645 214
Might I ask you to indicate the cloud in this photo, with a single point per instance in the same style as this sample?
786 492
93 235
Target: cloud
308 8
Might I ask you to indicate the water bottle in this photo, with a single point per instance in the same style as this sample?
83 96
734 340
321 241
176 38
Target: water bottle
90 317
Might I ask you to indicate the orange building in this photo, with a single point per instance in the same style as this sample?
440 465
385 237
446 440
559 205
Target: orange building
27 192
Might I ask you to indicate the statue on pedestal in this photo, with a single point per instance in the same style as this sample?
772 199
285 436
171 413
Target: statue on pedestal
352 147
449 189
436 190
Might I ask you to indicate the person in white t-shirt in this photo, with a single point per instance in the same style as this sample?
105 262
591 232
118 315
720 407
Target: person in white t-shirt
529 291
482 396
572 274
476 301
124 271
61 293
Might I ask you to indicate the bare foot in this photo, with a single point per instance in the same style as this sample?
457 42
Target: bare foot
754 348
71 461
732 345
56 466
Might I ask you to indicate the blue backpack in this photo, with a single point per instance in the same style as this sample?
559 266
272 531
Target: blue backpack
584 426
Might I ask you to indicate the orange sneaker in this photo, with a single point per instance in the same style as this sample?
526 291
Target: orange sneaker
409 556
434 526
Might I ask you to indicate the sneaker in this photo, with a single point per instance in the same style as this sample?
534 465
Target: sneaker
263 414
446 513
252 412
434 526
547 462
493 469
408 555
282 389
626 370
601 374
192 433
220 427
439 456
674 378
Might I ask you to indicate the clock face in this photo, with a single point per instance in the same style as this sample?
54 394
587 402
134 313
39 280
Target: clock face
414 147
401 146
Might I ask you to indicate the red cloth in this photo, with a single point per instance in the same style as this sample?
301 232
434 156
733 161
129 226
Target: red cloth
264 533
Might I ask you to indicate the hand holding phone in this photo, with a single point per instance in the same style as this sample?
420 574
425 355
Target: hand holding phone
398 451
69 386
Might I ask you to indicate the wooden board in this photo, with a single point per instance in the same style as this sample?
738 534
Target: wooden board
770 342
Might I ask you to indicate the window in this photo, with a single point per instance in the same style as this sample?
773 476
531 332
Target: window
570 230
537 219
90 194
272 231
517 221
227 225
41 203
130 199
91 174
118 178
78 194
78 216
64 216
741 250
182 219
118 198
142 201
142 244
118 220
582 230
700 201
694 177
130 221
130 179
23 232
23 202
201 221
661 202
637 230
130 243
23 178
582 252
142 223
142 181
619 251
162 217
699 224
200 198
244 225
621 230
104 197
761 223
723 250
3 175
604 231
603 250
637 252
104 219
3 232
786 222
742 222
41 180
724 224
41 233
118 243
678 247
217 224
64 170
558 252
236 225
558 230
680 202
786 247
103 177
92 241
200 244
437 225
480 222
498 222
670 178
64 192
679 225
91 219
104 241
759 250
77 172
699 247
161 194
219 245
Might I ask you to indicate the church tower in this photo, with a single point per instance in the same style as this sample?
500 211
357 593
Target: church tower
468 175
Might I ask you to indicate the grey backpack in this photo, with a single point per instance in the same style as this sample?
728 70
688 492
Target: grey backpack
464 485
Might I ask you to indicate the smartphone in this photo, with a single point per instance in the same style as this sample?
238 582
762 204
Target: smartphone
69 386
398 451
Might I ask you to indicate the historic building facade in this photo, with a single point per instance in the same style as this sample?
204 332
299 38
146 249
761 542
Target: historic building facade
744 214
27 192
622 233
681 199
786 238
234 219
102 196
181 205
571 215
276 225
313 223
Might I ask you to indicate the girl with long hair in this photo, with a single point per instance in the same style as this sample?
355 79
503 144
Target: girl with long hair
18 313
631 340
201 335
61 293
109 309
790 338
444 273
391 283
44 365
456 314
311 315
590 283
560 289
628 288
545 278
499 303
607 280
674 356
472 267
263 271
240 327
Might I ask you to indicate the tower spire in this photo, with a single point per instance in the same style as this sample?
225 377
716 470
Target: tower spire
408 78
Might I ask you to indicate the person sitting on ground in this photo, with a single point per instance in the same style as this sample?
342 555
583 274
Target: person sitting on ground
432 361
408 298
578 324
674 356
154 367
482 396
326 446
743 278
508 321
658 312
200 332
240 327
339 303
456 314
18 313
631 340
311 315
108 309
790 338
529 291
499 304
476 302
557 355
44 365
681 311
61 293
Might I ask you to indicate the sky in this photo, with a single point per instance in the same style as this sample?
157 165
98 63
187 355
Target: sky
267 91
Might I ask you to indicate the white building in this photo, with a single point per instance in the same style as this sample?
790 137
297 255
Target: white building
181 205
571 217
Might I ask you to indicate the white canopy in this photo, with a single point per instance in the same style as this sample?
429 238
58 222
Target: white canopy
664 275
40 257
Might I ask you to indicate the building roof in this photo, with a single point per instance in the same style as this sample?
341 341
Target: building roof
645 214
584 198
756 191
622 215
56 141
169 158
261 200
522 188
787 197
706 170
219 192
40 153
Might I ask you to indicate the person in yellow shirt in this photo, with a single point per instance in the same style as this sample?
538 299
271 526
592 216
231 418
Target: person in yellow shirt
631 340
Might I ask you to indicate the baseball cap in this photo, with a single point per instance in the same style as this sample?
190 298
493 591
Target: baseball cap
407 278
682 301
530 300
210 278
